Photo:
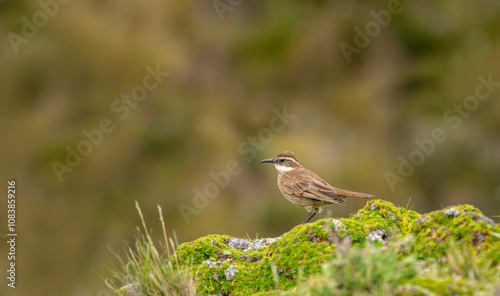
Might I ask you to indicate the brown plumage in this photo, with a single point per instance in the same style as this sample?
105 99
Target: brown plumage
306 189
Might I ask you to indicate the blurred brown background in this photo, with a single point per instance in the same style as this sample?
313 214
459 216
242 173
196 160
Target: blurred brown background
230 64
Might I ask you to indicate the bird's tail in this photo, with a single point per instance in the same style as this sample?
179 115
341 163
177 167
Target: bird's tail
343 192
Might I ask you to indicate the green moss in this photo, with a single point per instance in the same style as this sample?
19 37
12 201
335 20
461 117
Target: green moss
197 251
379 215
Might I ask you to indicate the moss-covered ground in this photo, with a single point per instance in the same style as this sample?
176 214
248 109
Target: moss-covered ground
380 250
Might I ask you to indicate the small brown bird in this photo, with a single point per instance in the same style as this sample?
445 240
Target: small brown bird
306 189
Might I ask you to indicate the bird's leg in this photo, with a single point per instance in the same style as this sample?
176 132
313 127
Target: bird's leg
309 217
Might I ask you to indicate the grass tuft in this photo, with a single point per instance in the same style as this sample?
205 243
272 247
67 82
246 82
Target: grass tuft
145 269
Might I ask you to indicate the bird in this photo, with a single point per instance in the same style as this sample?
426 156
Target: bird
304 188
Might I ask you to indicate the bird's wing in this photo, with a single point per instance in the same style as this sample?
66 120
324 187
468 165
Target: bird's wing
307 184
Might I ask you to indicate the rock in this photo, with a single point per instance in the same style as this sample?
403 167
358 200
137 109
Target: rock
243 244
211 263
230 272
377 235
452 212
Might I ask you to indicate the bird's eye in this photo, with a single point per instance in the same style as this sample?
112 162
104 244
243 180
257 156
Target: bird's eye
281 160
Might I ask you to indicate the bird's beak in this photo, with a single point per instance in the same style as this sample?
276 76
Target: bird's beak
271 160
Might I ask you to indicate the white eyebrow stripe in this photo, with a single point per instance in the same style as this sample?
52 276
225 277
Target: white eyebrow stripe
290 159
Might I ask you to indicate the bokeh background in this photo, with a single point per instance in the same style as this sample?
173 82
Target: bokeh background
231 63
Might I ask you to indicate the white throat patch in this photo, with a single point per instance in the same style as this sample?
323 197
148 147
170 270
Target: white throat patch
281 168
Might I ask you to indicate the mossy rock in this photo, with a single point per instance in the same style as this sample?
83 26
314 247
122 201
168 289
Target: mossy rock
378 220
225 265
463 224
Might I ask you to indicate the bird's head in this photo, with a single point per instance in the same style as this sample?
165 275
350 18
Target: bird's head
285 161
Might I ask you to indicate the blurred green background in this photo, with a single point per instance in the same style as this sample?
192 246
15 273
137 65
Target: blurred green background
230 64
